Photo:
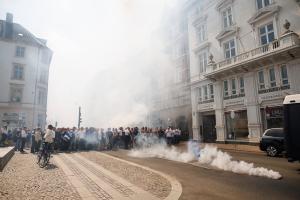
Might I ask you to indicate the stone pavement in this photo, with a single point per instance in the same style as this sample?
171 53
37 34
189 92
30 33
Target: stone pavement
86 175
99 176
23 179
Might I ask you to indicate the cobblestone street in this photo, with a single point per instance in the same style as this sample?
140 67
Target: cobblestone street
22 179
87 175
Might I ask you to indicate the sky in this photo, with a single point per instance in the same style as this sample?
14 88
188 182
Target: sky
96 64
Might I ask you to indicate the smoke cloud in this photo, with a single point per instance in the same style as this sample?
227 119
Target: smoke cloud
210 155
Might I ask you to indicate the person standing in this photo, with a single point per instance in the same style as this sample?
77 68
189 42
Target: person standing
23 139
37 139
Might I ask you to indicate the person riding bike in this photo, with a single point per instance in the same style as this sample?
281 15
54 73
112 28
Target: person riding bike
49 138
44 154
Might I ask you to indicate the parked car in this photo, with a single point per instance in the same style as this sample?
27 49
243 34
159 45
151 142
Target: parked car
272 141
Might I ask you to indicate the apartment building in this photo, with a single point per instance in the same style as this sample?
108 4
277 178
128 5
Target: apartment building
24 70
244 59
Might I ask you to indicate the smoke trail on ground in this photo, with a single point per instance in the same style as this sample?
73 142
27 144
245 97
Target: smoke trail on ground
222 160
154 147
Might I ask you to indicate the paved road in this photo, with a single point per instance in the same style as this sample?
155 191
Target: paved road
200 183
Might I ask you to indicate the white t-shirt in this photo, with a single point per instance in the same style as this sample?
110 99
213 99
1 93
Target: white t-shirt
23 134
49 136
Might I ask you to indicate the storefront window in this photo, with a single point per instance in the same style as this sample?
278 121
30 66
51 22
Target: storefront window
274 117
237 125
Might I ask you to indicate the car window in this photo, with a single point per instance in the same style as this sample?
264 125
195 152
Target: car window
275 133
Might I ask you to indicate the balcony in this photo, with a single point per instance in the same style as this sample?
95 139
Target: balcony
283 49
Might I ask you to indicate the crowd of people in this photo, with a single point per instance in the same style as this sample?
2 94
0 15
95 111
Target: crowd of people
74 139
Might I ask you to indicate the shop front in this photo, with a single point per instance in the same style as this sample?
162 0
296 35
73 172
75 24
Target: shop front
209 128
272 117
236 125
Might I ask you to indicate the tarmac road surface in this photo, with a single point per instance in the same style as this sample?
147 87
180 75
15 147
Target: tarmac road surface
202 183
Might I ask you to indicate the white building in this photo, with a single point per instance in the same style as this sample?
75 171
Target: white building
172 100
244 59
24 70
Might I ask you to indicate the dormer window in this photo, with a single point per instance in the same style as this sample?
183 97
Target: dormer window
227 17
262 3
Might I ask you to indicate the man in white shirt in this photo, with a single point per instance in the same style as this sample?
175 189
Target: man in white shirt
49 137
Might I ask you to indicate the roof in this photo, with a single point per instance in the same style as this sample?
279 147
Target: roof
16 32
291 99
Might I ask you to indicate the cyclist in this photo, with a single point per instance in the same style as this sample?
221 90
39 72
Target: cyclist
49 138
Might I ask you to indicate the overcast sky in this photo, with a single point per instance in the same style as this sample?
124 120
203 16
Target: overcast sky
90 38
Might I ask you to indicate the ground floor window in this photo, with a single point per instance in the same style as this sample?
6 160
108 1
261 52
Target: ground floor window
274 117
236 125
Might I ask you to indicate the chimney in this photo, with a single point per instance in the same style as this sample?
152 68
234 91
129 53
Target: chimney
9 18
8 31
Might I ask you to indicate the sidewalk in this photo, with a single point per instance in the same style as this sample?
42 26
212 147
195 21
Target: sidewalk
232 147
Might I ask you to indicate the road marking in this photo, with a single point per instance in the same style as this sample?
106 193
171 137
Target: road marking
74 180
176 189
116 181
92 181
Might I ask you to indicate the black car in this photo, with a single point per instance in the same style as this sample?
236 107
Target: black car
272 141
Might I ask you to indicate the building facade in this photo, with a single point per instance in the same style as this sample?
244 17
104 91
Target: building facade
171 102
244 59
24 71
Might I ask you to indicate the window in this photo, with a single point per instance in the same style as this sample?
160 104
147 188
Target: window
284 75
242 85
205 92
200 94
227 18
18 72
229 48
203 62
16 94
45 57
40 120
20 51
225 88
261 80
262 3
201 33
266 34
211 91
43 76
41 97
272 77
233 87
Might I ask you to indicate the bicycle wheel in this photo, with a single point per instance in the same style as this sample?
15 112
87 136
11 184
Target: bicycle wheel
44 160
39 156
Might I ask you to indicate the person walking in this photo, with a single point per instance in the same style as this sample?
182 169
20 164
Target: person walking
23 139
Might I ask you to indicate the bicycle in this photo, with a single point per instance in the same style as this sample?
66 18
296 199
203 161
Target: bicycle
44 155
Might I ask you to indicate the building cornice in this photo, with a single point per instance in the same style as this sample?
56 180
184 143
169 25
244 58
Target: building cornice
264 13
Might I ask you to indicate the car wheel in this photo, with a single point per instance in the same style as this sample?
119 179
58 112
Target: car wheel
272 151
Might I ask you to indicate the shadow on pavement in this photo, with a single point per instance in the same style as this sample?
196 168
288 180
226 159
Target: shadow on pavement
51 166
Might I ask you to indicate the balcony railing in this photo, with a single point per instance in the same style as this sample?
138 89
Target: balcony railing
286 41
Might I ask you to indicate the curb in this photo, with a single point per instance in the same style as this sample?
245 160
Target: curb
5 155
176 190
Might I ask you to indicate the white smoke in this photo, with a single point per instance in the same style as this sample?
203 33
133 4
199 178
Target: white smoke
221 160
153 147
